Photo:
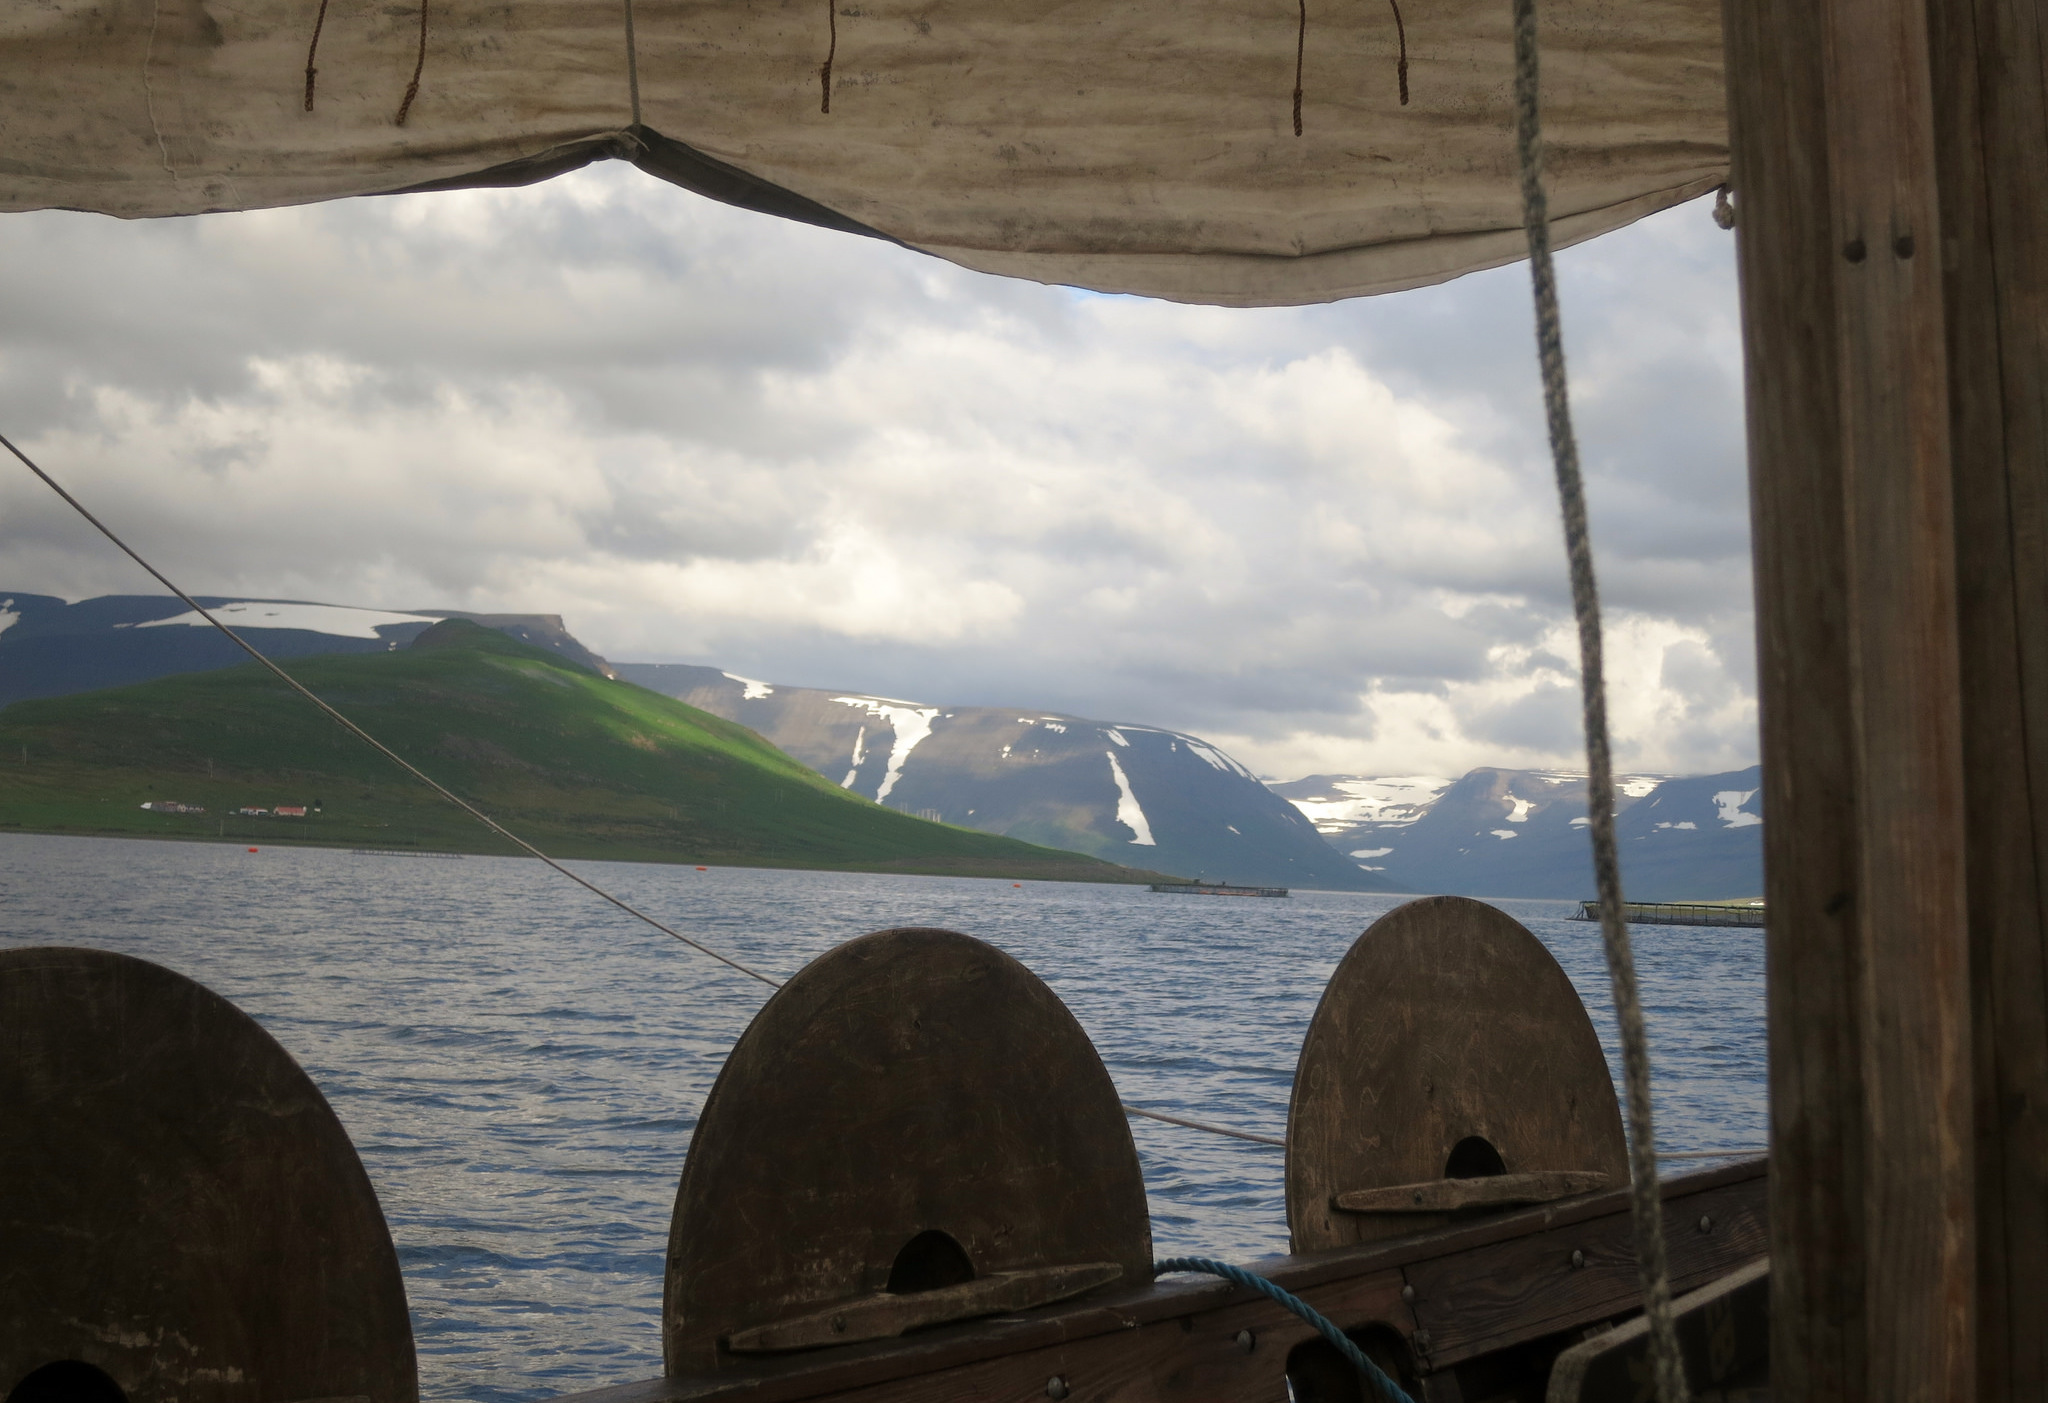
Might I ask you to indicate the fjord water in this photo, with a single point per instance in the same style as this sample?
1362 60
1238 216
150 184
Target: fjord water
520 1066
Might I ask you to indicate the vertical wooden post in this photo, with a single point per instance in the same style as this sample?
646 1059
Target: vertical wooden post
1891 174
1833 134
1990 67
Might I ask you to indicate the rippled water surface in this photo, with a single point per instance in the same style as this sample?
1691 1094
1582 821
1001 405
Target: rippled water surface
521 1067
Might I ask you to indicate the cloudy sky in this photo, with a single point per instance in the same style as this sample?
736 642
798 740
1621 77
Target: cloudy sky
1322 537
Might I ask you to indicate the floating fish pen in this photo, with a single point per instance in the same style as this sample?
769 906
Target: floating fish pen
1681 913
1201 888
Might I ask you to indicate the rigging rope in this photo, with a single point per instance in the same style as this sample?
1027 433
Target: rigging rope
360 734
1645 1203
1286 1299
1184 1121
1204 1125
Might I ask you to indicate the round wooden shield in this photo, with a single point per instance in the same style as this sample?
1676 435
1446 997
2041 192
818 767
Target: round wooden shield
183 1217
1449 1060
914 1119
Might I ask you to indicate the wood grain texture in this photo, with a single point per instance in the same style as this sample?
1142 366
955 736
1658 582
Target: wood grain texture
1912 977
1175 1340
179 1207
1724 1331
1473 1303
909 1082
1450 1195
1833 138
1812 860
1445 1021
888 1313
1990 63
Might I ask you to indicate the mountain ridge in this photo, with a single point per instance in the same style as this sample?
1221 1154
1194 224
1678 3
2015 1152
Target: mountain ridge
1116 790
1520 833
582 765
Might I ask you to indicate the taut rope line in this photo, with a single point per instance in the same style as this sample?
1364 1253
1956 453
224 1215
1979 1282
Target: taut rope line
364 736
485 819
1645 1202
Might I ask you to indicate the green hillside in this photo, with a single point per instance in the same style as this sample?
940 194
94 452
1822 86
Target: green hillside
578 764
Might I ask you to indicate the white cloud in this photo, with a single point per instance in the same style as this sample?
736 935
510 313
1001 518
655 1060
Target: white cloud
1323 537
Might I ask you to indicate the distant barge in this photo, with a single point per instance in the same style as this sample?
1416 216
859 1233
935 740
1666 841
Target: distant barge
1678 913
1201 888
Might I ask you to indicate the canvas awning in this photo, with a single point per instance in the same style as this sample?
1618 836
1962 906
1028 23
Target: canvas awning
1124 145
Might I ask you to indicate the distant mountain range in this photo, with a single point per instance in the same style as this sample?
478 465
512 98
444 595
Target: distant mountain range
1522 832
1127 793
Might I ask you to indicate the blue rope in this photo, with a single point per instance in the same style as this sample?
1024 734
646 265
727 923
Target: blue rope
1374 1375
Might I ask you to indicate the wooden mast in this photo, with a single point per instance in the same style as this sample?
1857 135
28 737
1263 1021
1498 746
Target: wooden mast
1891 179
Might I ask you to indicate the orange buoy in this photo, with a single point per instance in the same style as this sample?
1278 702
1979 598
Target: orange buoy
703 869
252 850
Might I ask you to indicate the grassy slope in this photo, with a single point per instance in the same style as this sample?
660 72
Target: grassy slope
580 766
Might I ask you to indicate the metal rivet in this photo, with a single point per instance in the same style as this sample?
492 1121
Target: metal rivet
1578 1258
1706 1223
1408 1293
1903 246
1056 1386
1247 1341
1853 250
1422 1340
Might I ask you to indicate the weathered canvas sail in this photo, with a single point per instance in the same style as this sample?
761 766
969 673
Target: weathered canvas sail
1125 145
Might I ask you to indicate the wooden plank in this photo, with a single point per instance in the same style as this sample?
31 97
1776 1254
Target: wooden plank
1832 138
1179 1338
1724 1332
1494 1191
887 1313
1481 1300
1913 971
1989 62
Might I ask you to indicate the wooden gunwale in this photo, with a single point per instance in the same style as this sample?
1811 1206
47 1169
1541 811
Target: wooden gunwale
1476 1288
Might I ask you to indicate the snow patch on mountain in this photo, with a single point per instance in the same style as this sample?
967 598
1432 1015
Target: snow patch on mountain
1217 758
335 620
1728 808
911 724
1128 813
860 753
752 690
1680 838
1337 803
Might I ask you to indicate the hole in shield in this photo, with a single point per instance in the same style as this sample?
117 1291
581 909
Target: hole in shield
67 1381
1474 1157
928 1261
